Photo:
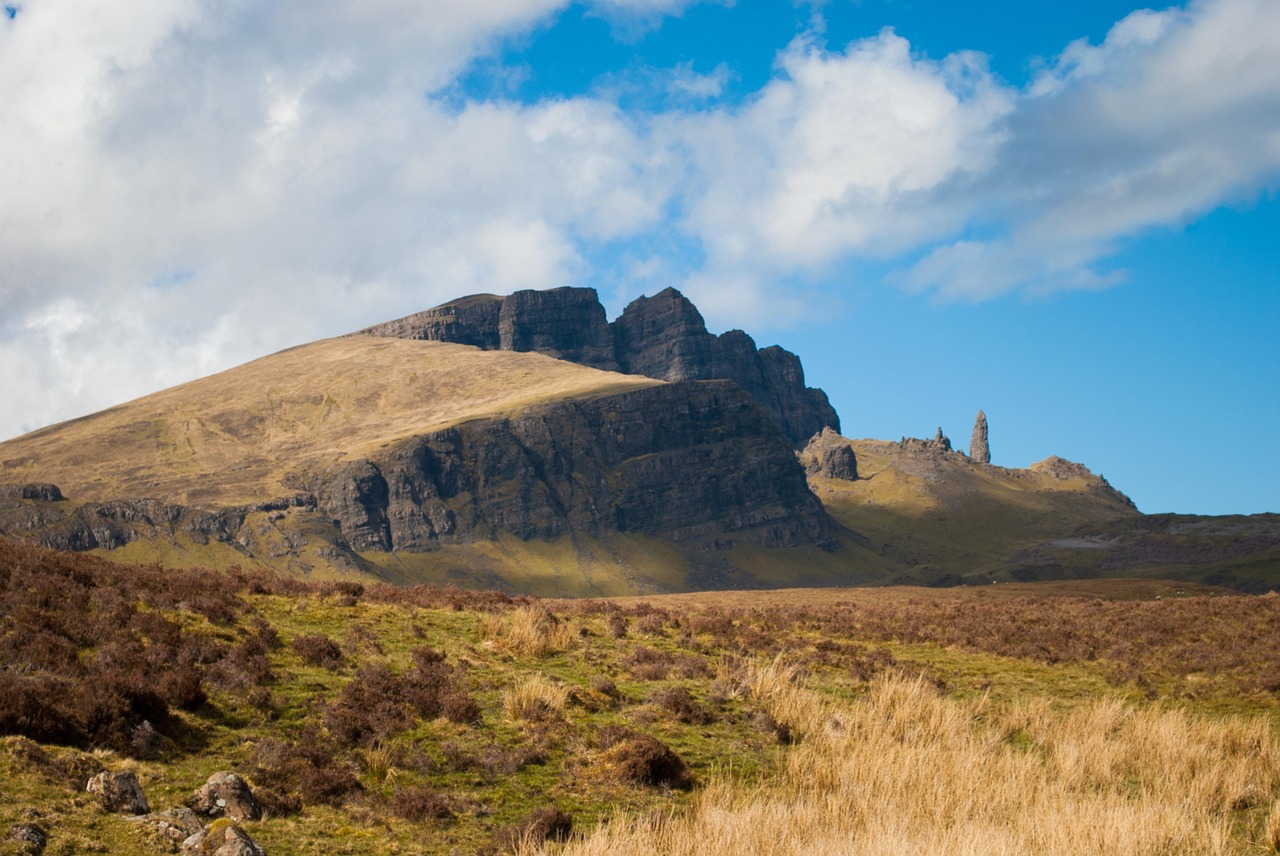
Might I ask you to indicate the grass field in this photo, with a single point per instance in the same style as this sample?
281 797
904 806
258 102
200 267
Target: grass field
1101 717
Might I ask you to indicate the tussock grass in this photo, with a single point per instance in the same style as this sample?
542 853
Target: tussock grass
534 697
530 631
906 770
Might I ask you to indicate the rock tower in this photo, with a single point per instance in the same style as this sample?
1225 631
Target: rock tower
979 451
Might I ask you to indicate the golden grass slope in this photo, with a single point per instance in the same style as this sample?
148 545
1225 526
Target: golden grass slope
230 438
941 513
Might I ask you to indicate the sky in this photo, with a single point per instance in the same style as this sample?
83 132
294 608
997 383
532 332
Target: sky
1064 214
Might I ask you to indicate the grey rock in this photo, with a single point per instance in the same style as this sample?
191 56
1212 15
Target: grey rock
829 455
567 323
28 838
226 795
176 824
221 838
119 792
979 451
41 491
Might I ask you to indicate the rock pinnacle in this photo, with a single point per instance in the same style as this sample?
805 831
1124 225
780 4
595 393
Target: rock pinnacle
979 451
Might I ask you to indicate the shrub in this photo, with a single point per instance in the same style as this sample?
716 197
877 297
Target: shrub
530 631
681 705
319 650
418 804
645 760
542 824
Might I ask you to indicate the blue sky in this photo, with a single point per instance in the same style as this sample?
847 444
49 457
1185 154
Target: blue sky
1064 214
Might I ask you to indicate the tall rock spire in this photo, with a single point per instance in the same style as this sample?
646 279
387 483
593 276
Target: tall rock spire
979 451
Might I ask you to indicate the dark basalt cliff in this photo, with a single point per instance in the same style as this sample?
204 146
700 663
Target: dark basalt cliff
662 337
686 462
680 461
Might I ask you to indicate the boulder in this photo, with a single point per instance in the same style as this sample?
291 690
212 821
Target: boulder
221 838
119 792
829 455
175 824
225 795
28 838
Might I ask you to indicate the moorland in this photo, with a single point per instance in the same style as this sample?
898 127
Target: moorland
1105 716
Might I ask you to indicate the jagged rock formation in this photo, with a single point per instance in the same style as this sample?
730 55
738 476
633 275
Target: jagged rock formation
979 451
115 523
829 455
662 337
939 444
677 461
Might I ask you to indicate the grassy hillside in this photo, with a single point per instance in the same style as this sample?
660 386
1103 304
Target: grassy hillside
1131 718
939 514
230 438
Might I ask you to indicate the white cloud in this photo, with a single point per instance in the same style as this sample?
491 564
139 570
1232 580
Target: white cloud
186 185
1174 114
847 152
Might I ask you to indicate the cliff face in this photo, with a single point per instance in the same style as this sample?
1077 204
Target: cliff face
699 463
662 337
681 461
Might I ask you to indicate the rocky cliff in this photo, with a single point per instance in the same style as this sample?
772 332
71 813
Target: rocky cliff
678 461
661 337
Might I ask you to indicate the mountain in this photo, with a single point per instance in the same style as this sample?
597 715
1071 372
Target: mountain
526 443
428 461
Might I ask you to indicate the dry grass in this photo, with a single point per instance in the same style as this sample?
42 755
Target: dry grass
228 438
533 698
905 770
530 631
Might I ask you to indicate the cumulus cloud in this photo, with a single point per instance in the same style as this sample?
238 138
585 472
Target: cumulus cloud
1174 114
219 182
186 185
856 151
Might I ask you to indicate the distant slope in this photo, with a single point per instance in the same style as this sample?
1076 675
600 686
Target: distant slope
231 438
946 519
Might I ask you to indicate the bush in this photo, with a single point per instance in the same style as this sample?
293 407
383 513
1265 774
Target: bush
681 705
542 824
319 650
418 804
644 760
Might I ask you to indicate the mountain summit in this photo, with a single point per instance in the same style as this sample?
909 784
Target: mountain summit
662 337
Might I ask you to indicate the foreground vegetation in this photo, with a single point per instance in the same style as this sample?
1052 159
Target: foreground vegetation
388 720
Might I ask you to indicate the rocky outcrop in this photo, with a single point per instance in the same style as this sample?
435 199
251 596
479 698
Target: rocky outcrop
665 337
567 323
662 337
119 792
221 838
679 461
830 456
940 444
44 517
225 795
979 451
